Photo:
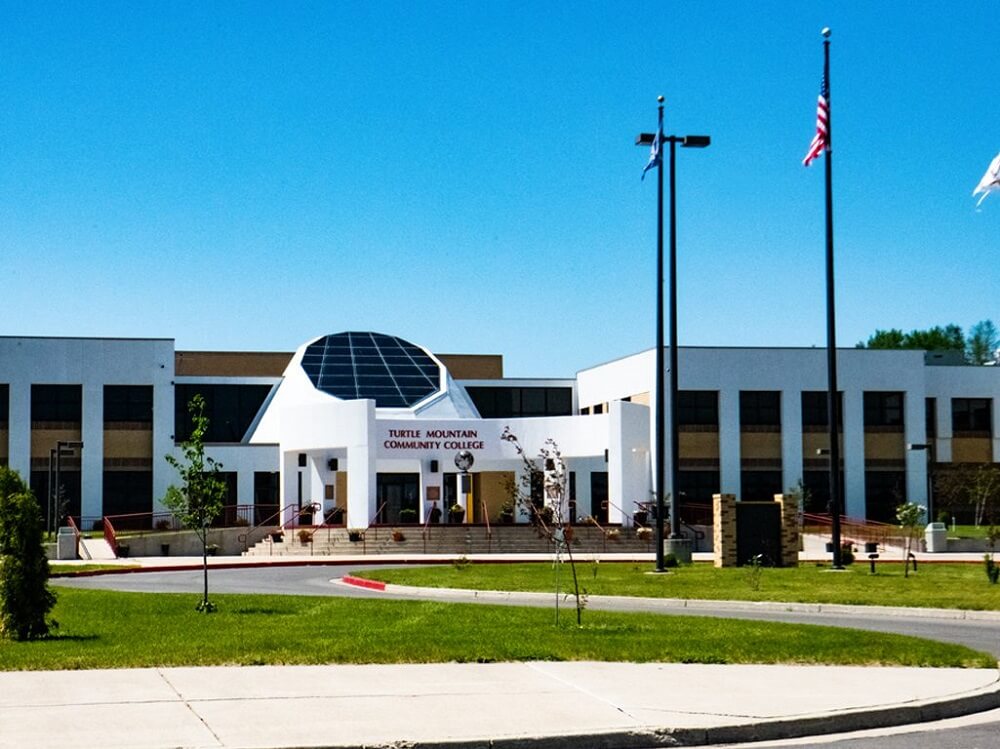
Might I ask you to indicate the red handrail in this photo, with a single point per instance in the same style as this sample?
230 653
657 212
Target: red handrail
76 535
110 536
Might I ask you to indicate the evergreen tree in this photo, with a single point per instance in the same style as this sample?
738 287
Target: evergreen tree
25 598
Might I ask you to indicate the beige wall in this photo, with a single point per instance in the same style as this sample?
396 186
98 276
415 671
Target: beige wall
230 363
473 366
128 443
971 450
699 445
760 445
885 446
43 440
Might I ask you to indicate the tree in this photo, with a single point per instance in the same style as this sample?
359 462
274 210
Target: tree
976 484
199 498
910 517
982 343
25 598
550 519
948 338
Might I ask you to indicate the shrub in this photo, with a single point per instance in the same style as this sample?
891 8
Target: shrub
25 598
407 516
398 535
992 569
670 561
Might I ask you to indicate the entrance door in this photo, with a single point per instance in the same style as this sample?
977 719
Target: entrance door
397 492
599 496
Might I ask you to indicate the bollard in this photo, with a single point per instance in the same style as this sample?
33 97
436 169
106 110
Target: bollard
871 561
913 558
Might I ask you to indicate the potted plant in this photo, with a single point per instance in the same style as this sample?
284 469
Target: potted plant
212 549
644 534
456 513
407 516
122 551
613 534
354 534
506 514
305 536
639 517
398 535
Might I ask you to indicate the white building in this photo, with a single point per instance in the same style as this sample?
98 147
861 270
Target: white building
367 426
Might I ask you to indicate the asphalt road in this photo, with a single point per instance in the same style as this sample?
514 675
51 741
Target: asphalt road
972 732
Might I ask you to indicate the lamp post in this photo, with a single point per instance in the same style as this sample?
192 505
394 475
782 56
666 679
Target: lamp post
928 449
63 447
686 141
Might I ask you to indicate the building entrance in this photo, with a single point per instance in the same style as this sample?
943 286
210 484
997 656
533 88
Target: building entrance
396 493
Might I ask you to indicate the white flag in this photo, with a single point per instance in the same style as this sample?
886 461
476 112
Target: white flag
990 181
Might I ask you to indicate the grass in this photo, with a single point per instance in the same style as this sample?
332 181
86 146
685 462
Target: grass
956 586
968 531
105 629
72 569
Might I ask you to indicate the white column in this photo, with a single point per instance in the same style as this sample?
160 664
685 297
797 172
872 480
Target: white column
92 467
289 485
854 453
19 436
729 442
361 483
163 442
315 473
915 424
943 442
791 439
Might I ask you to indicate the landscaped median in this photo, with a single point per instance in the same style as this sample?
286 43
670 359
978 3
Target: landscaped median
105 629
943 586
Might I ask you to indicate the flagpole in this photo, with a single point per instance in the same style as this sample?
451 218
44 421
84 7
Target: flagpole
660 389
833 405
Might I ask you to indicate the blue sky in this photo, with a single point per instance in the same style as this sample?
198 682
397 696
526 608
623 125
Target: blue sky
251 175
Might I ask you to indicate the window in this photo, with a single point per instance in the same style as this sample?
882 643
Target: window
698 408
4 404
128 403
57 403
760 408
971 416
697 486
815 412
759 486
230 409
884 491
930 406
513 402
884 410
127 492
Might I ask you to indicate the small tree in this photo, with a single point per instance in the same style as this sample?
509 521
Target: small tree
910 517
25 598
199 498
550 519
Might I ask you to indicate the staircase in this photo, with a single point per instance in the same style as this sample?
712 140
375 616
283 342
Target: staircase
447 539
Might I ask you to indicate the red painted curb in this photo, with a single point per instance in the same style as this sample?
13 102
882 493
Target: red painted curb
361 582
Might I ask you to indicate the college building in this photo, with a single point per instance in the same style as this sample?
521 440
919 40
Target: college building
358 428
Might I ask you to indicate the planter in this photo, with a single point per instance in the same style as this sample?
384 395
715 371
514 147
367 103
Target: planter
639 517
354 536
165 550
123 550
456 518
212 550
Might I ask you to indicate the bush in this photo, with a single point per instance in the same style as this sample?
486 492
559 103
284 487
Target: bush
670 561
992 569
25 598
407 516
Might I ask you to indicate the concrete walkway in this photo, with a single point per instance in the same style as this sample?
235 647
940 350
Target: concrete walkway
472 705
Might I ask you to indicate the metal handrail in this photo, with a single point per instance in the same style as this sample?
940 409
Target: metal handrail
266 522
110 537
489 531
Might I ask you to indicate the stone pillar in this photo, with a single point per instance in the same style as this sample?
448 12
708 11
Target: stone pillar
724 529
789 530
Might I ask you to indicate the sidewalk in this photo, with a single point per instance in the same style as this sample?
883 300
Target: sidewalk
501 705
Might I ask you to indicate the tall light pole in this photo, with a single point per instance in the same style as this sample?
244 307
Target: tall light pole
63 447
686 141
928 449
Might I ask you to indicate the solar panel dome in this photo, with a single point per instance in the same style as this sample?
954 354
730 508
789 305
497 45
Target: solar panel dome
392 372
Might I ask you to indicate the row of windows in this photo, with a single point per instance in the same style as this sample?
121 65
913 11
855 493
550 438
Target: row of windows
513 402
881 410
230 410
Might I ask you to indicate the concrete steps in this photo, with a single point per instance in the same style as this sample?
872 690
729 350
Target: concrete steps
458 539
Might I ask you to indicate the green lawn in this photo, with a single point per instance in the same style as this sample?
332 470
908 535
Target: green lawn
959 586
968 531
103 629
72 569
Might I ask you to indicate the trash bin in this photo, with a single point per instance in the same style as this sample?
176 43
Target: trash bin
936 537
66 543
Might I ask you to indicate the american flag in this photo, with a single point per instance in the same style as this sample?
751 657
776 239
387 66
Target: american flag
819 141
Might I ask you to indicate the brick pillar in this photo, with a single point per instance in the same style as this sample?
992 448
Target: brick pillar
789 530
724 529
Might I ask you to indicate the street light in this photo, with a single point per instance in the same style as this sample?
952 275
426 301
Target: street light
929 450
63 447
686 141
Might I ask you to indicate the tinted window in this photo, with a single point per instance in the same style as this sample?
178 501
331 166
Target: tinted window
129 403
56 403
230 409
4 403
883 409
760 408
971 415
698 408
815 411
513 402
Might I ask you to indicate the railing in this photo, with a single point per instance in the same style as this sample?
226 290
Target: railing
489 531
110 537
270 520
76 534
852 530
